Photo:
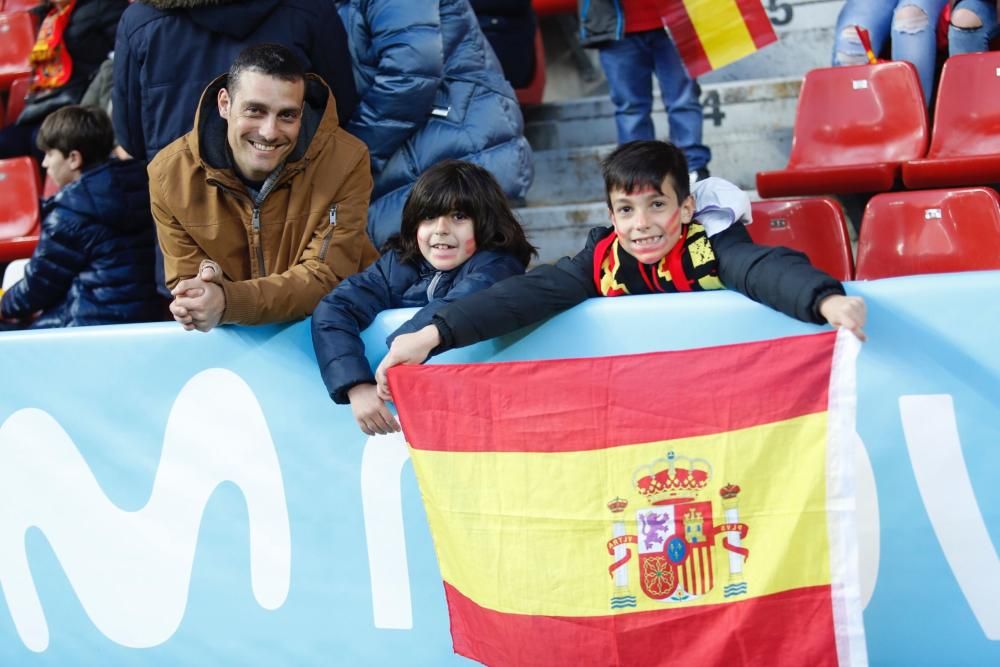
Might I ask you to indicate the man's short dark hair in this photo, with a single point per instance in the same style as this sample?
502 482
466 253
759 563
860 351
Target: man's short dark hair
76 128
640 164
268 58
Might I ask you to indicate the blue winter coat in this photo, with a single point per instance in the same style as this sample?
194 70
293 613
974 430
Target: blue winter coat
346 311
168 51
94 259
431 88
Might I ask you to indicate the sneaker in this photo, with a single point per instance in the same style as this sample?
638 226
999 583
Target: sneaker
699 175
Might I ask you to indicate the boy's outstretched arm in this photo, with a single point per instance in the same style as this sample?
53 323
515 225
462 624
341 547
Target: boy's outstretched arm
785 280
505 307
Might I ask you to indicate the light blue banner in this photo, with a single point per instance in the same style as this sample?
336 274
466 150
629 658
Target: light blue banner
179 498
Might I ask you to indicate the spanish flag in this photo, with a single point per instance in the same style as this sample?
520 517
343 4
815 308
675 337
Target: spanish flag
672 508
713 33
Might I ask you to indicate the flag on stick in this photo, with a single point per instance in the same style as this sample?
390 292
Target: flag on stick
690 507
713 33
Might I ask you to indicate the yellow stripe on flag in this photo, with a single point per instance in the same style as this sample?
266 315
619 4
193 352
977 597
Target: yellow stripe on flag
540 524
721 29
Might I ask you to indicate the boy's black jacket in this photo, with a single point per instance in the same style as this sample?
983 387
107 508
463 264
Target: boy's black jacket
774 276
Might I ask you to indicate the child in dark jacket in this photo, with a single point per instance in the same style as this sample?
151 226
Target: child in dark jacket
658 243
458 236
94 259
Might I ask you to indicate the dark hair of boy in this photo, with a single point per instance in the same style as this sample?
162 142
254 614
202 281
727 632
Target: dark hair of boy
268 58
76 128
640 164
456 185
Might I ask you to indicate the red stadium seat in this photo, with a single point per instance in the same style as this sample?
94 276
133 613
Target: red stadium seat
551 7
929 231
17 36
965 143
19 218
533 92
854 126
814 226
10 6
15 98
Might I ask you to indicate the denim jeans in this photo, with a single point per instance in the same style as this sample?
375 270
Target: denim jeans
973 40
629 64
913 39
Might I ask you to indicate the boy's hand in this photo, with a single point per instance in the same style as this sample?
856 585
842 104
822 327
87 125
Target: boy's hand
410 348
848 312
370 411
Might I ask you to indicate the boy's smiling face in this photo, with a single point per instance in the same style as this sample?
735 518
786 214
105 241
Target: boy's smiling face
647 222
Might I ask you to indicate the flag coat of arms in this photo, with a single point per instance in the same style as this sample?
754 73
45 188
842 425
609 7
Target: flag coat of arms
689 507
710 34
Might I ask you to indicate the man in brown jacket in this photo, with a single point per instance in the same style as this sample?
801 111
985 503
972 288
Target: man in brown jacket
261 209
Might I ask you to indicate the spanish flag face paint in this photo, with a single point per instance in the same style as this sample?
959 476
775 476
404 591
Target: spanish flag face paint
669 508
713 33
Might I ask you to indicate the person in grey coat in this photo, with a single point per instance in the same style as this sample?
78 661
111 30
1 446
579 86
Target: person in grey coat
431 88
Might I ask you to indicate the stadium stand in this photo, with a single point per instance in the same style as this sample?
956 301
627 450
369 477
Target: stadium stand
965 143
815 226
17 36
929 231
15 98
19 218
854 127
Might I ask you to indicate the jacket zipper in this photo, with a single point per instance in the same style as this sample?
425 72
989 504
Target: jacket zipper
255 225
433 286
326 242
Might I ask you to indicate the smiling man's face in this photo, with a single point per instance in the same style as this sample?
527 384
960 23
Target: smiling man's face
264 115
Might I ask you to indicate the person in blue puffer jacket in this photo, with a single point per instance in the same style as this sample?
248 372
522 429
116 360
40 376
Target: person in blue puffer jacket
431 88
458 236
94 259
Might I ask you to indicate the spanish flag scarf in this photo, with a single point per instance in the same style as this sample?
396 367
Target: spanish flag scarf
51 59
689 266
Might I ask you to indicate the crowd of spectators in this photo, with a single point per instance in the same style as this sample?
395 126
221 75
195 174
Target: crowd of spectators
283 137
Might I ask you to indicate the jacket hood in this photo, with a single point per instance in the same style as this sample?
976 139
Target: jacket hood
220 16
319 119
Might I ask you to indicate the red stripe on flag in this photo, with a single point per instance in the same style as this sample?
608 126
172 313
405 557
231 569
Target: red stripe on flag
677 21
768 630
586 404
757 22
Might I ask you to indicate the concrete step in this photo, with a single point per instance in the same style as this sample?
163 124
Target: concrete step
734 106
805 31
749 130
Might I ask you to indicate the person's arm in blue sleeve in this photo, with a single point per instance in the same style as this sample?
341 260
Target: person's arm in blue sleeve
483 270
407 39
58 259
331 59
337 323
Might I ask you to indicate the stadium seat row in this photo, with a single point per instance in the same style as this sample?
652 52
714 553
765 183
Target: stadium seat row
864 129
902 233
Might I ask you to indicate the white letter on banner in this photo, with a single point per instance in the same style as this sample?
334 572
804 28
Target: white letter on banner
382 501
932 439
131 570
